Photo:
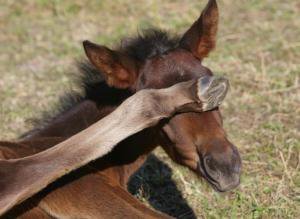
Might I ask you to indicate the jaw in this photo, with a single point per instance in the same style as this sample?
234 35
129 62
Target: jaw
196 165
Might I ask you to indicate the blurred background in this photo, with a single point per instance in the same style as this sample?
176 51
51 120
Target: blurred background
258 50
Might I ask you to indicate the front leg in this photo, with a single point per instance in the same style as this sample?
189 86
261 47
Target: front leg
200 95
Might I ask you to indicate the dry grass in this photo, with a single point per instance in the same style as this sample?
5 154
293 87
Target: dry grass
258 50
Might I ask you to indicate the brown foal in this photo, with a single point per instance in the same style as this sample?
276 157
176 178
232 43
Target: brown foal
22 178
195 140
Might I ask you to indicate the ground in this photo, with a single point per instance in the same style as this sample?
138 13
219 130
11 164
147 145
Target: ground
258 50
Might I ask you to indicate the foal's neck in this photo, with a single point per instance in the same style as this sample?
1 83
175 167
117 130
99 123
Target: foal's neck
125 159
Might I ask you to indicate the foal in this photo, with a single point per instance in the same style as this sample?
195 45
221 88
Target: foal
195 140
22 178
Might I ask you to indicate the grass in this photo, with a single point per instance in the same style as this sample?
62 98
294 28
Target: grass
258 50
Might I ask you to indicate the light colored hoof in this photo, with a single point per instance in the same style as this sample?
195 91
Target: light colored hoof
211 91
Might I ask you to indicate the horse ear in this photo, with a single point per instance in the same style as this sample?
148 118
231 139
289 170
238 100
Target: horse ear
120 71
200 39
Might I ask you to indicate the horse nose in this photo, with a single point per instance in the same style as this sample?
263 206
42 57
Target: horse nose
223 180
223 171
232 180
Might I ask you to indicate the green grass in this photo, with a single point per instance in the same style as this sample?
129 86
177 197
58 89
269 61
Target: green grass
258 50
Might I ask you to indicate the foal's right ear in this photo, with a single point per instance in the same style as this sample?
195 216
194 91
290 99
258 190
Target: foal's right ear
200 39
120 71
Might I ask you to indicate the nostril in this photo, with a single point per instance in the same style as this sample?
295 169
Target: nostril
208 162
210 168
207 159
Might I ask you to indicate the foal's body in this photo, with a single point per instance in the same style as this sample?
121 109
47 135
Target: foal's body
22 178
97 190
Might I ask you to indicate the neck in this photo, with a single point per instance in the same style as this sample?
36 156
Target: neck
82 116
139 145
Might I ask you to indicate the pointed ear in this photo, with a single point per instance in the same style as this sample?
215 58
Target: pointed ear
120 71
200 39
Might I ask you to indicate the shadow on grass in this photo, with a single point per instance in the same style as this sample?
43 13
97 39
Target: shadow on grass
153 181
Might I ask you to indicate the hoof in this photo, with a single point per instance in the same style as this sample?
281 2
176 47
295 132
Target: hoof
212 91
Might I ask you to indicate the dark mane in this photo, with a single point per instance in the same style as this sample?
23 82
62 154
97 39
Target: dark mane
149 43
90 81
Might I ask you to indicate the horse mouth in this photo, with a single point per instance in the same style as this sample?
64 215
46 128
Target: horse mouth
214 184
219 185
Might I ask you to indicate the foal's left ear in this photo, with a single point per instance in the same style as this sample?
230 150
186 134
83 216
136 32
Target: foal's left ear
120 71
200 39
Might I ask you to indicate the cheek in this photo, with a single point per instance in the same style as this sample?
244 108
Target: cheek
187 155
170 132
181 148
185 128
